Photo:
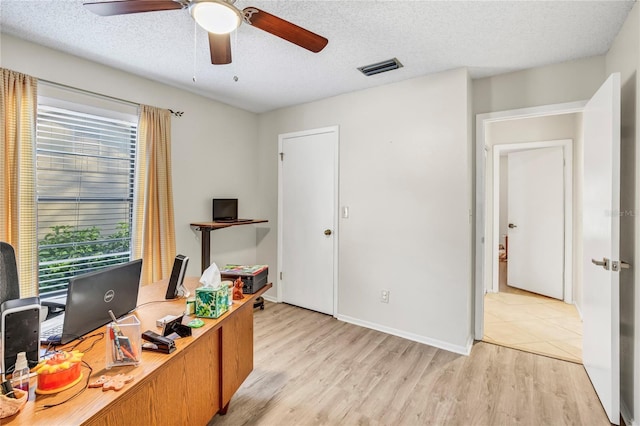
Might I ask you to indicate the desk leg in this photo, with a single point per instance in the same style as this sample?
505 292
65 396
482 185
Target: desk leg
224 409
205 254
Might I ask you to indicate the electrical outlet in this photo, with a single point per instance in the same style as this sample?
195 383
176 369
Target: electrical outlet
384 296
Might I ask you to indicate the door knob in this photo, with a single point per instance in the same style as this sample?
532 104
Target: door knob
327 232
617 266
511 225
604 263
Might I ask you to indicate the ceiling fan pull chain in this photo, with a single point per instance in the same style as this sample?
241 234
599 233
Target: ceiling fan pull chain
195 49
235 36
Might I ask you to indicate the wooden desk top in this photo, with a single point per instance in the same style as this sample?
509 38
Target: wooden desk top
151 306
218 225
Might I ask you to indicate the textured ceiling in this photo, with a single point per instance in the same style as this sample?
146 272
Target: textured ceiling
488 37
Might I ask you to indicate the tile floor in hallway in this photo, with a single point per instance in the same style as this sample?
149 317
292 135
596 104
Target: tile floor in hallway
533 323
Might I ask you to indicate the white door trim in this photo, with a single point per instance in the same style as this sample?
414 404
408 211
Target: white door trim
483 251
567 153
336 233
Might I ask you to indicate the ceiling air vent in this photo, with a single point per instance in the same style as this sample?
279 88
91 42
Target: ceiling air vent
377 68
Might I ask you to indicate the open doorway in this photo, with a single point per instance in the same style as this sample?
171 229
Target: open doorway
515 314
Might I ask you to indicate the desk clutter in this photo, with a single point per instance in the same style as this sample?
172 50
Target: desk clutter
212 302
59 372
115 383
215 296
123 341
12 402
62 378
254 277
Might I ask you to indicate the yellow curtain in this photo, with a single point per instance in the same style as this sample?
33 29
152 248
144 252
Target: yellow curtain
17 181
154 237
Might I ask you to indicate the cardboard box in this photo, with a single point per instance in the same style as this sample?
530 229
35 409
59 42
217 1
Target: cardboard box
211 302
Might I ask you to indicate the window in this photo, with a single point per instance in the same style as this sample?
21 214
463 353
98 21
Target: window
85 166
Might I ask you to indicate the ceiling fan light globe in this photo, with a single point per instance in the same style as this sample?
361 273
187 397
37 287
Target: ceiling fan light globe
216 17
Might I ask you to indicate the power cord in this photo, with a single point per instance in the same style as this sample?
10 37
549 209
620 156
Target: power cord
86 385
155 301
51 347
100 336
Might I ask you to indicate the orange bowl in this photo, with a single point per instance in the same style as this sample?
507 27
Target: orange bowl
60 380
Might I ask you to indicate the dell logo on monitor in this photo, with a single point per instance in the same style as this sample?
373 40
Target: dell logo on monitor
109 295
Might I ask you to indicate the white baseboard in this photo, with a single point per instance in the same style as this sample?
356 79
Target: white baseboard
578 309
459 349
463 350
626 415
270 298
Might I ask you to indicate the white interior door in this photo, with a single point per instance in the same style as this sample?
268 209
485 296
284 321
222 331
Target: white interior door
536 221
601 236
308 218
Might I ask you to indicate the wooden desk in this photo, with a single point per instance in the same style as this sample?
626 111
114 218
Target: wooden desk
189 386
206 228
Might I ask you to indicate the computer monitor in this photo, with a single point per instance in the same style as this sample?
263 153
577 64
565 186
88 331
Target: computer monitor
225 209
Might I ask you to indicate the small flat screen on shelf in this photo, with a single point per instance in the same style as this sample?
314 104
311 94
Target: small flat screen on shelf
225 209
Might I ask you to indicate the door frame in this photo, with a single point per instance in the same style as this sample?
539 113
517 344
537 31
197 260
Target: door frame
483 252
336 200
567 154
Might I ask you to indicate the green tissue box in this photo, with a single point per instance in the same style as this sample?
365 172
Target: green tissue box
211 302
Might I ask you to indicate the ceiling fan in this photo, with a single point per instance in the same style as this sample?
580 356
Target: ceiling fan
219 18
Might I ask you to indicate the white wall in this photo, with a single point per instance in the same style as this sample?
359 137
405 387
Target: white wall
624 57
405 175
552 84
214 146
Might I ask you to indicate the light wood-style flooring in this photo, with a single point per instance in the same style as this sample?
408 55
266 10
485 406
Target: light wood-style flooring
311 369
522 320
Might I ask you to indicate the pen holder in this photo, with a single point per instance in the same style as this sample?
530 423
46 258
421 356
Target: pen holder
124 344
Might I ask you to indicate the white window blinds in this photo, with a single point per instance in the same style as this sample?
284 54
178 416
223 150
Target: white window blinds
85 167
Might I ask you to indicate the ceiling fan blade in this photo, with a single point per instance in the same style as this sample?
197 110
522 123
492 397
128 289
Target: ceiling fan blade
284 29
110 8
220 48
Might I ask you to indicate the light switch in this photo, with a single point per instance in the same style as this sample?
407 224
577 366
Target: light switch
345 212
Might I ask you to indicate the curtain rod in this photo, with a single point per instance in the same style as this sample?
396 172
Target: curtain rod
88 92
100 95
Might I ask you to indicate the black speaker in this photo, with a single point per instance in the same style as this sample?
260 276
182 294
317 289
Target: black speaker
20 327
175 288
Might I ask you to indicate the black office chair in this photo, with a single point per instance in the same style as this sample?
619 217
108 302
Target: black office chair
9 284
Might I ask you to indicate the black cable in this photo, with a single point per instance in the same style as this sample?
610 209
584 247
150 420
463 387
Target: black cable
82 339
155 301
85 364
51 346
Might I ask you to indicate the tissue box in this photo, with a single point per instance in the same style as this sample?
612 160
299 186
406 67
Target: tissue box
211 302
